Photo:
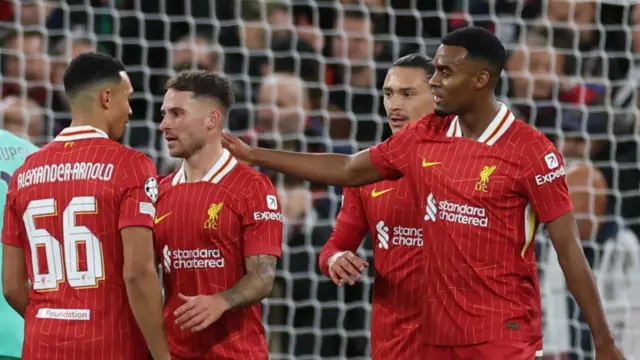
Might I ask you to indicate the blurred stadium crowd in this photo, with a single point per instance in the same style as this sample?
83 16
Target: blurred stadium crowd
308 76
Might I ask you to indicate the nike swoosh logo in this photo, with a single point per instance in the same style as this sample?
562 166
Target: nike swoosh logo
375 194
426 163
159 219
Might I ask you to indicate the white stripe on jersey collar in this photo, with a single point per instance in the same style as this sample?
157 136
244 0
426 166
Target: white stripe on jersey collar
222 167
497 127
80 132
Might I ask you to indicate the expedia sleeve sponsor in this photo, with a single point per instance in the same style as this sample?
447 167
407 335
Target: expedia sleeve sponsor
267 215
550 177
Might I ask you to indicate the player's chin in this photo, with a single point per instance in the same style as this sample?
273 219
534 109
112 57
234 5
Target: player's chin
397 126
441 111
176 152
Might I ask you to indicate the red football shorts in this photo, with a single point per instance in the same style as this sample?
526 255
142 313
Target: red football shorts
495 350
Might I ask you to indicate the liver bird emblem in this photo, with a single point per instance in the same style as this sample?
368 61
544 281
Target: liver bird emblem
214 214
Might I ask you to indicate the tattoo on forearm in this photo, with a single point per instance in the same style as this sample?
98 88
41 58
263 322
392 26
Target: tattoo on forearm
256 284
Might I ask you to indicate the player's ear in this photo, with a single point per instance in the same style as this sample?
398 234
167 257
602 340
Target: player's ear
214 119
482 79
105 98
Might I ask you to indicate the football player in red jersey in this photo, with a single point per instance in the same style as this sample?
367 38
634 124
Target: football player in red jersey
485 181
388 210
78 259
218 229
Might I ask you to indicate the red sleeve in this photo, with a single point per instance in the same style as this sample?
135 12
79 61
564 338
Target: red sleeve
544 182
351 227
139 192
13 227
261 219
392 157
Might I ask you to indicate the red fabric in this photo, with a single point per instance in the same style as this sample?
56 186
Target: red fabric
6 11
512 350
481 273
76 212
389 212
208 231
579 95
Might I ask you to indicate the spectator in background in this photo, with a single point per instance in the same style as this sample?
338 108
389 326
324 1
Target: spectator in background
244 45
25 66
194 52
49 16
539 79
627 94
283 101
353 75
23 118
61 55
279 18
579 18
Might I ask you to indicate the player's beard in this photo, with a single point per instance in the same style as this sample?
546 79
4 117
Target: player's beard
441 113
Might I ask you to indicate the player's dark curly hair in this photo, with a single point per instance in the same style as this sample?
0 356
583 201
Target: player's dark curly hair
204 84
416 61
481 44
89 69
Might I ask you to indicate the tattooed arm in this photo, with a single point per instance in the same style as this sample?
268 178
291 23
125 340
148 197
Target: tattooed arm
256 284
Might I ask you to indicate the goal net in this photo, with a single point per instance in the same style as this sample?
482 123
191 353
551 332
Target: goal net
307 76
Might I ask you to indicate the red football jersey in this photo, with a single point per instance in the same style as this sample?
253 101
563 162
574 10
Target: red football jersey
482 201
389 211
204 230
65 208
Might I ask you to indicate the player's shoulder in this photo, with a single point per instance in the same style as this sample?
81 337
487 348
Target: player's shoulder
130 152
528 138
432 124
167 180
248 177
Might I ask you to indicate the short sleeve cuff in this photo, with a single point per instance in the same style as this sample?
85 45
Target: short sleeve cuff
379 162
554 213
11 241
136 221
263 250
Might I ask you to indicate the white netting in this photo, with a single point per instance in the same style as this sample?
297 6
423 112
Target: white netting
572 73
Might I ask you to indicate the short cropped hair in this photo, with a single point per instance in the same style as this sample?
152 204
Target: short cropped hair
204 84
416 61
481 44
89 69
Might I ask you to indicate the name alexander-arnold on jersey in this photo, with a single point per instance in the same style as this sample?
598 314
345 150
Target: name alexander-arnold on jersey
65 172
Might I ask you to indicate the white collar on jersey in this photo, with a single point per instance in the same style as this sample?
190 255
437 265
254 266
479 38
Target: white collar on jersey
497 127
222 167
80 132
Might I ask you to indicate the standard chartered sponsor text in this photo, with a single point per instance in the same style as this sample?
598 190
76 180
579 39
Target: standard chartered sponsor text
462 214
196 259
407 236
65 172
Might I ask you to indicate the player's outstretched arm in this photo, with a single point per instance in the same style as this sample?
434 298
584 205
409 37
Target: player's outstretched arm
564 236
337 259
15 281
143 288
334 169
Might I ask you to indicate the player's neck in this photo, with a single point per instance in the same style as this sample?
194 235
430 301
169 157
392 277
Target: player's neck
475 122
198 164
84 119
